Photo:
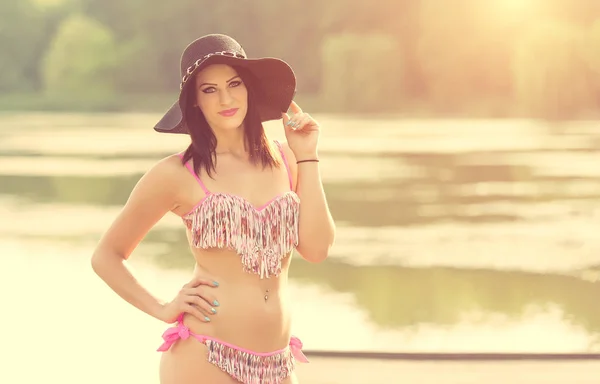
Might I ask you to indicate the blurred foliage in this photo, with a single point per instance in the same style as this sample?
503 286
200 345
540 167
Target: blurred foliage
349 63
552 77
81 59
592 56
21 34
495 58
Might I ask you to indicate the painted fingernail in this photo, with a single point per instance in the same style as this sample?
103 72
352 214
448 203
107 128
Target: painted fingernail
213 310
289 123
215 303
216 283
206 318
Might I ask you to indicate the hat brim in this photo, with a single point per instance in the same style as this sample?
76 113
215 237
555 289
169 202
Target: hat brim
275 88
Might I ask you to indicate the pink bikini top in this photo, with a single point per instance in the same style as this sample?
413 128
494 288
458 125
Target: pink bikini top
261 236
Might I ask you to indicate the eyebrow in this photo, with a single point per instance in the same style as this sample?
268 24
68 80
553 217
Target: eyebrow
234 77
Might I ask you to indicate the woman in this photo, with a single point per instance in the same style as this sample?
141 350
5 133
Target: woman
246 203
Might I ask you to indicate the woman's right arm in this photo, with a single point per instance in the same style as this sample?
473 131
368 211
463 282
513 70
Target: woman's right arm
154 196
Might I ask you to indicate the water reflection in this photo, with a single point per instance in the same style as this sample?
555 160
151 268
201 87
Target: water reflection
434 188
97 191
398 297
435 241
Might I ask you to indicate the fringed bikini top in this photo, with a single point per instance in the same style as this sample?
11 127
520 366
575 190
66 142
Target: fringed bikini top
261 236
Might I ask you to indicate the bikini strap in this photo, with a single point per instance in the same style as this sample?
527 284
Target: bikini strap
287 166
189 167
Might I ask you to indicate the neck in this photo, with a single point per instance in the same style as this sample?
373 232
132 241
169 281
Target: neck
231 141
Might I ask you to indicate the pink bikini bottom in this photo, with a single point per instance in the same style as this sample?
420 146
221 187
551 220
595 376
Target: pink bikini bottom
247 367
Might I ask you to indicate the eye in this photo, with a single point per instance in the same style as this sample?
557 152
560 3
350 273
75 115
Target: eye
236 83
208 90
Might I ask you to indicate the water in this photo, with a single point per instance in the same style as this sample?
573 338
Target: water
453 236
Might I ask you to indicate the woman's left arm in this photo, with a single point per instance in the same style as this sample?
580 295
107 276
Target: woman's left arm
316 226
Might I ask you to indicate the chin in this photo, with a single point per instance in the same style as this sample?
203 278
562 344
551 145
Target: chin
232 125
229 125
226 124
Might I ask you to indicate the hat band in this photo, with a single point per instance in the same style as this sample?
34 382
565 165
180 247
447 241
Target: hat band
193 67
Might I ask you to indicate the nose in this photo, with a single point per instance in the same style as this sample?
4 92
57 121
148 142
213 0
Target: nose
225 97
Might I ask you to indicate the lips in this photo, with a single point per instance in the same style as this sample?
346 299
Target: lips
228 112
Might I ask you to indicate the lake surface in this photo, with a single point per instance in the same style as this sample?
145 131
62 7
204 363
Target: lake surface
453 236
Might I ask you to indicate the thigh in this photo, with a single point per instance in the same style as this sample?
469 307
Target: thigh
186 362
292 379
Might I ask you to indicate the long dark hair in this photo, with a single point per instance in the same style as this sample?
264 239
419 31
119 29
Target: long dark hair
204 143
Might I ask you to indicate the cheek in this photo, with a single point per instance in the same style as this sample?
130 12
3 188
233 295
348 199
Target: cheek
241 93
205 102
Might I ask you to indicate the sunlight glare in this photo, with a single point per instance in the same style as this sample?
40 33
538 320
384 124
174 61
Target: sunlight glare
512 7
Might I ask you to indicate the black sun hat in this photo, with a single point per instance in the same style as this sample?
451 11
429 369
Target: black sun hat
274 87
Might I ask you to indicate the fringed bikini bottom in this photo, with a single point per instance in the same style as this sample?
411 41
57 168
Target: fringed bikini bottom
247 367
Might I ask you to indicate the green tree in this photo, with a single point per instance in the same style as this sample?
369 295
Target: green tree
551 76
592 53
362 73
81 59
21 37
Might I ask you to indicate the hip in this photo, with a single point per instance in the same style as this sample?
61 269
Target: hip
259 332
189 356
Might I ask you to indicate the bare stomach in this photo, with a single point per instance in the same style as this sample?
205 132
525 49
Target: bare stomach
244 318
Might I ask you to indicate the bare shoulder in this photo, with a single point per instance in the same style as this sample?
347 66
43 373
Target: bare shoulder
167 166
155 194
162 181
291 159
288 152
164 175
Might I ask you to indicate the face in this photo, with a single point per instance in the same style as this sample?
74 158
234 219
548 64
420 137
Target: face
222 97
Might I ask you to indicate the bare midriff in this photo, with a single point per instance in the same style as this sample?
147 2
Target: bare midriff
253 313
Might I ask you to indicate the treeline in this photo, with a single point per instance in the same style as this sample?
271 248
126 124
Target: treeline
493 57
